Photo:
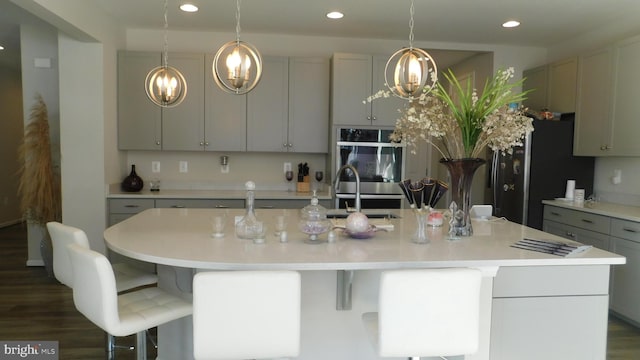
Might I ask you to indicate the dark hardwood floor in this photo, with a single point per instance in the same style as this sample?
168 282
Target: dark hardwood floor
34 306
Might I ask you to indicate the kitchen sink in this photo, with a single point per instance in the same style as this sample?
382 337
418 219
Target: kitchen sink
371 214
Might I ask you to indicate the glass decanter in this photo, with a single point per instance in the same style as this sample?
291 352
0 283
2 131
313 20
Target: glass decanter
249 227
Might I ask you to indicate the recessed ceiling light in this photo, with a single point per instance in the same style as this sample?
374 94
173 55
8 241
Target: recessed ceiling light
511 23
335 15
188 7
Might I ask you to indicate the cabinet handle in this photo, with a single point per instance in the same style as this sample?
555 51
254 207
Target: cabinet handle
570 234
368 117
132 206
178 206
221 207
266 207
555 213
289 145
284 144
201 143
587 221
374 118
206 143
630 230
157 142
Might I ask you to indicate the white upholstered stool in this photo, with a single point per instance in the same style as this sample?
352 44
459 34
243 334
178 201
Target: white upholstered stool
96 297
426 312
127 277
246 315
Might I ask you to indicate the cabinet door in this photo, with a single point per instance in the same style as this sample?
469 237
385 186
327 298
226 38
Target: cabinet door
267 107
384 112
309 105
561 87
596 239
183 125
351 85
225 116
626 126
554 327
536 80
625 294
139 119
592 132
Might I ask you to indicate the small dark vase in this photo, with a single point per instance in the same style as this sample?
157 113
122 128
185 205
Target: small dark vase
461 172
133 182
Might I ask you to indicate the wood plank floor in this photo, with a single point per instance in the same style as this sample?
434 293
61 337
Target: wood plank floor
34 306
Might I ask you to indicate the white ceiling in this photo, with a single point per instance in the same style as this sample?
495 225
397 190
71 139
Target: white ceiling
544 22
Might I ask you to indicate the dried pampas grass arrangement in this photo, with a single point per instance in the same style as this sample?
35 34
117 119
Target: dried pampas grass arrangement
39 185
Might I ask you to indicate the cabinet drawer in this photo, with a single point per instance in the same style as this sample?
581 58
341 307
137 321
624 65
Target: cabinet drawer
129 206
625 229
199 203
579 219
287 204
599 240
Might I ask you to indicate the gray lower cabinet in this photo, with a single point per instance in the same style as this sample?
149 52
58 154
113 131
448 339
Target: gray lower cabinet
564 309
122 209
625 297
607 233
287 204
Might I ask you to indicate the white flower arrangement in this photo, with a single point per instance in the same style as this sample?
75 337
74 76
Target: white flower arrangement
463 128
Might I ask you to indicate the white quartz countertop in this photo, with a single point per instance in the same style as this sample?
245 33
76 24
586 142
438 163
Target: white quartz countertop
625 212
115 193
182 237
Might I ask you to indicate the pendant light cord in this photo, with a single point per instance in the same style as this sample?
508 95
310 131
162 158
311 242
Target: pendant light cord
238 21
411 12
165 48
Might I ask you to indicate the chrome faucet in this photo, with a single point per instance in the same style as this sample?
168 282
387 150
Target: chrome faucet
355 172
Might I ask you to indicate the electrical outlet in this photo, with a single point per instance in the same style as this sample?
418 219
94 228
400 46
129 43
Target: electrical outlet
287 166
184 166
155 166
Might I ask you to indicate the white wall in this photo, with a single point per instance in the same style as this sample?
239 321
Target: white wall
40 41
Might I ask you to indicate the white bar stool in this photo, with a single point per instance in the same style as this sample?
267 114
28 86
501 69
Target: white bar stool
246 315
426 312
96 297
127 277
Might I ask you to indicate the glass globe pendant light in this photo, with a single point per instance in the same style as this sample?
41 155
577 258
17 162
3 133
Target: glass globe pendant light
165 85
237 66
414 70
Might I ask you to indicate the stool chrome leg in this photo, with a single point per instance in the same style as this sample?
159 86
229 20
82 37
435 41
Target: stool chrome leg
141 345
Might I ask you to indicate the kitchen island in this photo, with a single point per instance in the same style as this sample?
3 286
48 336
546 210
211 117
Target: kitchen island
560 302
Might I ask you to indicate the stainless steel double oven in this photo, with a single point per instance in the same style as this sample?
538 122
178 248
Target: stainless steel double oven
380 164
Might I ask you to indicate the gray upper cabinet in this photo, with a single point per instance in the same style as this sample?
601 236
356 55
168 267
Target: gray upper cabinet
536 81
625 126
607 115
225 119
554 86
183 125
592 132
267 107
139 119
354 78
308 130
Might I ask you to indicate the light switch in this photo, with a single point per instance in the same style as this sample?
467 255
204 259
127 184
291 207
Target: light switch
184 166
155 166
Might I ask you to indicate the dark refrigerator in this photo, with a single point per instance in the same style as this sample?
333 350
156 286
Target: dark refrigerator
538 171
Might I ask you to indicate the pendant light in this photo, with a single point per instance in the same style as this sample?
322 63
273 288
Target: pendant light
414 70
237 66
165 85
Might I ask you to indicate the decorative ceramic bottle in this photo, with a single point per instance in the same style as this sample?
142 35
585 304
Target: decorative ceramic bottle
133 182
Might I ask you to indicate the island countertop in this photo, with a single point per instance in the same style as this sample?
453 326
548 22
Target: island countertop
182 237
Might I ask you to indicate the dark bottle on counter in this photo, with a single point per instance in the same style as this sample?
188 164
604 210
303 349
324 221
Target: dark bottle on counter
133 182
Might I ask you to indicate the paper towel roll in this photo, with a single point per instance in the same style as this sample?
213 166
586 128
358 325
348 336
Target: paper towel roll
571 186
